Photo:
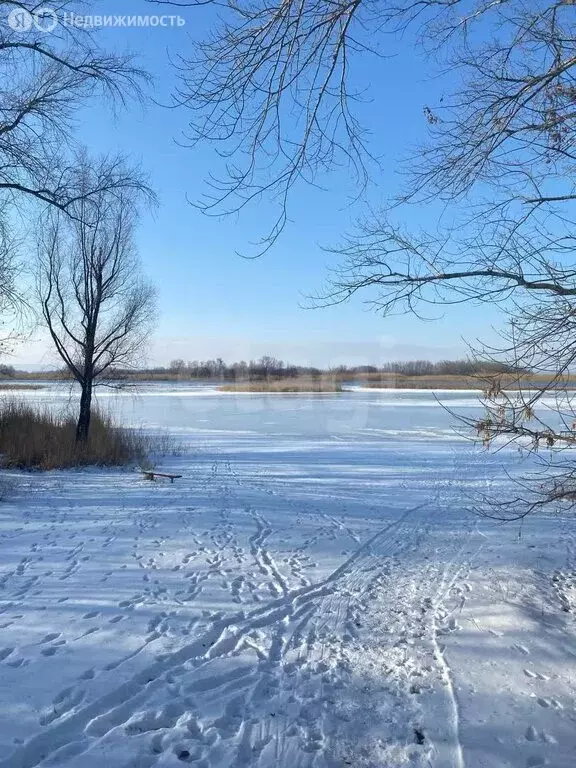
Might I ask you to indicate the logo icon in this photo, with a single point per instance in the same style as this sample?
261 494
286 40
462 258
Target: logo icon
20 20
45 19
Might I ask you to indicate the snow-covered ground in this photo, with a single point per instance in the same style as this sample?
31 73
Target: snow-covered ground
313 592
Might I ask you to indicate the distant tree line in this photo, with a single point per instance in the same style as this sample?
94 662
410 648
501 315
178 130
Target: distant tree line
266 367
269 367
441 368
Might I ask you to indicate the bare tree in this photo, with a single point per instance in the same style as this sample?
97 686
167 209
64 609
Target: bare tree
98 309
45 77
13 307
532 277
501 151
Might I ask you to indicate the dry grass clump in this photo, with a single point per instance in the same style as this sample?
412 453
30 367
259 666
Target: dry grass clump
453 381
300 384
396 381
33 438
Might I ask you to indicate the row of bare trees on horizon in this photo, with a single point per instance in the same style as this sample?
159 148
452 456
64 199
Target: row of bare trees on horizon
269 366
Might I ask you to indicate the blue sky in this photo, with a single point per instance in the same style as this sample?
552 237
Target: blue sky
213 302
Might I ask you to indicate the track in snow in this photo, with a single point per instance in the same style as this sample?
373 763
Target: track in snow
284 678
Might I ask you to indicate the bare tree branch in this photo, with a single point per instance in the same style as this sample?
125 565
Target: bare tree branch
45 79
271 88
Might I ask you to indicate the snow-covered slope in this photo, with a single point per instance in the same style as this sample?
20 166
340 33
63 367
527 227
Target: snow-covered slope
313 592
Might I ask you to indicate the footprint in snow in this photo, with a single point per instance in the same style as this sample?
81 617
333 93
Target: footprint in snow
535 761
546 703
52 649
521 649
88 674
88 632
19 662
536 675
49 637
62 703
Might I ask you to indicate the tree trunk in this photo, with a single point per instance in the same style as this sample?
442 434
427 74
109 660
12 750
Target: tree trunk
83 425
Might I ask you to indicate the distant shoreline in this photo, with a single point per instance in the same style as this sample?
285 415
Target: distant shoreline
325 383
19 386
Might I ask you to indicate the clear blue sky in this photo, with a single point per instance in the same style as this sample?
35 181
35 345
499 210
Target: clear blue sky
214 303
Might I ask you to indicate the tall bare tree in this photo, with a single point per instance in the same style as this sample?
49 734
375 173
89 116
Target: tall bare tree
97 307
273 83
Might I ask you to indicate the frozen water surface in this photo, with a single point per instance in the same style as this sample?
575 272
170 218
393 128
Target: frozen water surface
315 591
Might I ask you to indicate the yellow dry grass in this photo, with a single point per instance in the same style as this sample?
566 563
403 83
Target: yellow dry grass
301 384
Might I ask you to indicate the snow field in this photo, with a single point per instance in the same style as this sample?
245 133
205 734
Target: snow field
292 602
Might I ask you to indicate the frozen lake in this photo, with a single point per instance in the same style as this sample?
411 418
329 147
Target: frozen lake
315 591
358 412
